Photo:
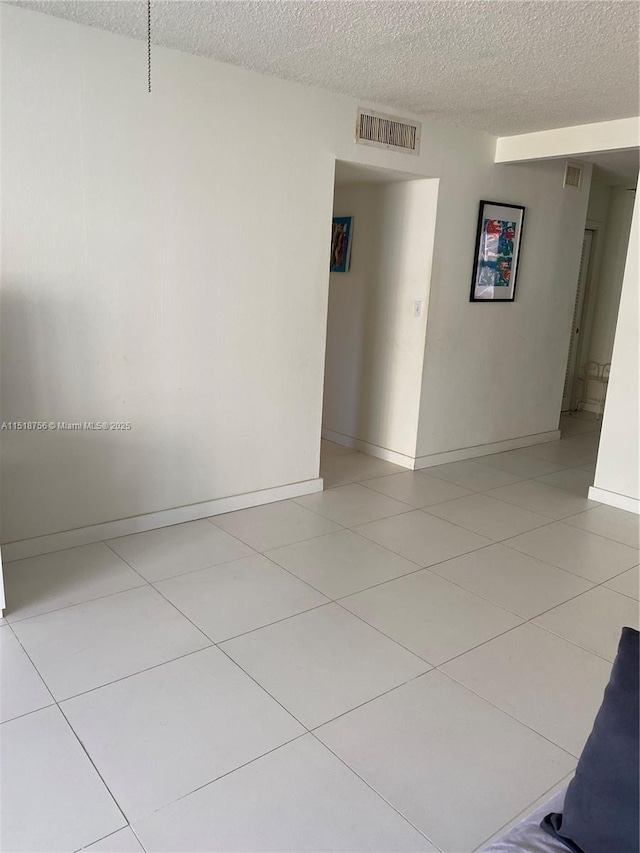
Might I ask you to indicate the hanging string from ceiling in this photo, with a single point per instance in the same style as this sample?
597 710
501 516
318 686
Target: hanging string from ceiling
149 45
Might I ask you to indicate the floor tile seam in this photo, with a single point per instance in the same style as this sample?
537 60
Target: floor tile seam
417 568
362 480
54 550
297 541
404 500
191 571
424 506
322 604
537 512
329 600
502 606
524 476
54 701
213 781
386 636
235 663
457 681
137 837
28 713
574 643
527 451
220 643
374 790
346 526
158 592
505 542
124 678
264 689
560 604
525 811
541 477
366 702
611 589
413 571
422 657
598 585
480 644
134 674
93 764
408 509
602 535
494 541
77 604
59 703
469 488
109 835
275 564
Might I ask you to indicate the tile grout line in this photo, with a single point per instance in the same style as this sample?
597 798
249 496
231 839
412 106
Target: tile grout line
603 535
371 788
505 542
395 687
76 603
526 811
507 713
110 835
146 582
37 671
56 703
218 778
329 600
149 583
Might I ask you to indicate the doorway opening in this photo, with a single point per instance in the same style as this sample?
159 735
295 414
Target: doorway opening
601 271
376 320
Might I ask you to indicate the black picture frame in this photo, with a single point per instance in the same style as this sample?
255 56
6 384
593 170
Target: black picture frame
497 252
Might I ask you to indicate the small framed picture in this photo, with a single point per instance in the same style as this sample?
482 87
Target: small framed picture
497 253
341 234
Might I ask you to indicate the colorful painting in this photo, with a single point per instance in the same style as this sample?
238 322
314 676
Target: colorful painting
341 243
497 250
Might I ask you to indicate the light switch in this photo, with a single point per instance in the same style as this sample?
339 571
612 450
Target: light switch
417 308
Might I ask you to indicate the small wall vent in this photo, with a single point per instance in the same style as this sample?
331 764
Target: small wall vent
572 175
391 132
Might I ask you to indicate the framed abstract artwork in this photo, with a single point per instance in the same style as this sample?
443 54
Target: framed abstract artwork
341 234
497 253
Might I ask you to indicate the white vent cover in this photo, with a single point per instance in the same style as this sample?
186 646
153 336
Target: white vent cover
572 175
391 132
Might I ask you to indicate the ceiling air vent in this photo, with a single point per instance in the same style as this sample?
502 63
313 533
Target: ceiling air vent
572 175
391 132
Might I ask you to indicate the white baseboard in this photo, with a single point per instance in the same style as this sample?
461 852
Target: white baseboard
614 499
485 449
137 524
414 463
371 449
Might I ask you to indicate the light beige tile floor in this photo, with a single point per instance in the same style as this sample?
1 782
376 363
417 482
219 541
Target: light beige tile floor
319 673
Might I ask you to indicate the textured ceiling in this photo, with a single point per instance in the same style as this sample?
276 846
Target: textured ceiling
505 67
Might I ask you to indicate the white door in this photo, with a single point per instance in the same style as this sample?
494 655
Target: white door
576 328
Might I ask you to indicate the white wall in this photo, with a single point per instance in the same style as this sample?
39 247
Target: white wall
617 479
165 263
570 141
375 345
607 285
495 372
